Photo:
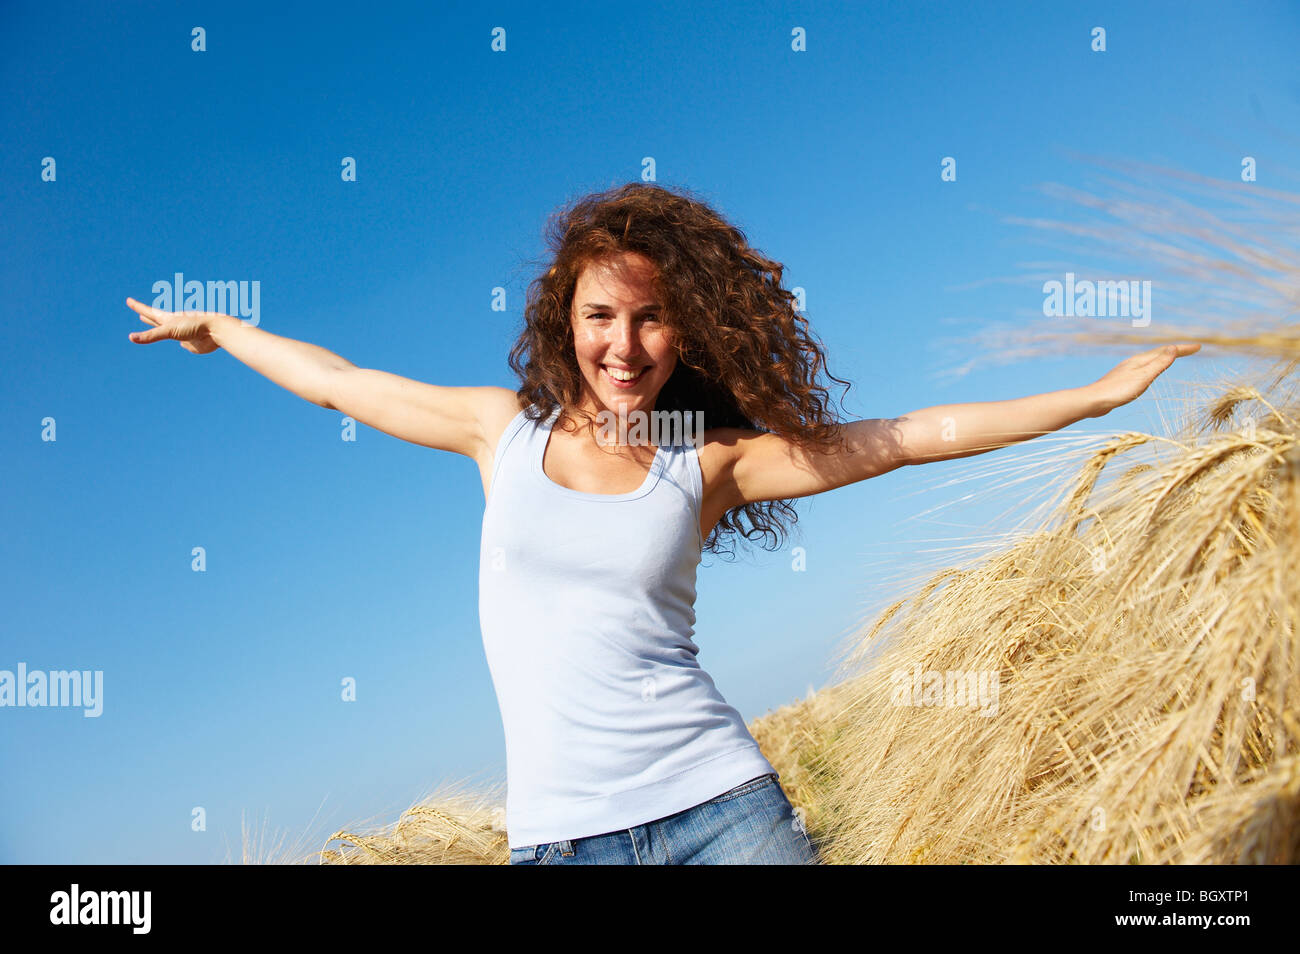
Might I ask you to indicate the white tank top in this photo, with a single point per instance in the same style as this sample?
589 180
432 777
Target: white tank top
587 608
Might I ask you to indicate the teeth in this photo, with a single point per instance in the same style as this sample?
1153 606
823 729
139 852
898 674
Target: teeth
623 375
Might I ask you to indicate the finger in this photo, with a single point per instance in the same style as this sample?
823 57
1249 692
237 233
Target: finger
1144 358
146 310
146 314
1166 355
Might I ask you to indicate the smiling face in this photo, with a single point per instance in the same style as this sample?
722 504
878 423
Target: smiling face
619 333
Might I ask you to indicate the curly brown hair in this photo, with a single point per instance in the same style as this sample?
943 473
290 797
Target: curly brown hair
746 357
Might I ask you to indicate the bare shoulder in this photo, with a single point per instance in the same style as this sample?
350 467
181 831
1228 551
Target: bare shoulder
752 466
719 444
497 407
722 447
718 451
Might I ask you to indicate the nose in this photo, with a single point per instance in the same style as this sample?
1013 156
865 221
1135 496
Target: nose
627 338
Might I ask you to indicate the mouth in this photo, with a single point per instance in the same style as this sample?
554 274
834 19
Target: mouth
623 378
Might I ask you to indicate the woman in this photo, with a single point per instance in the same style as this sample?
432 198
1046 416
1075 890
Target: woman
619 747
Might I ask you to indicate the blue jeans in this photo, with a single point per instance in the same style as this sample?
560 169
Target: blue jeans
752 824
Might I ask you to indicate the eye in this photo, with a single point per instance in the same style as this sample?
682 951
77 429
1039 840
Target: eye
651 316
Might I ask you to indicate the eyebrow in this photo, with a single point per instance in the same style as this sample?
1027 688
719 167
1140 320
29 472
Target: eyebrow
652 307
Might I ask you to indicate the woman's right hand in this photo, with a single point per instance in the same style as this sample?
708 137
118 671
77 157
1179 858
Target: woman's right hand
191 328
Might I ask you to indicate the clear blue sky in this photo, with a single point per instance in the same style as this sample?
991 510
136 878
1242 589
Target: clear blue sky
328 559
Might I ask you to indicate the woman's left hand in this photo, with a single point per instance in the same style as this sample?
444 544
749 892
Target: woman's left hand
1128 379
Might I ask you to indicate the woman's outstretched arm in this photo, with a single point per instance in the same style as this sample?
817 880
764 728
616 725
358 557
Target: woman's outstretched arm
769 467
948 431
445 418
963 430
